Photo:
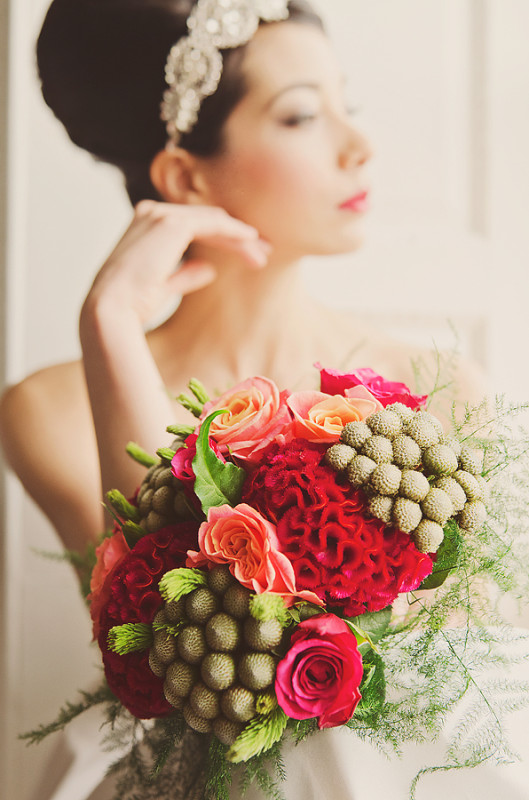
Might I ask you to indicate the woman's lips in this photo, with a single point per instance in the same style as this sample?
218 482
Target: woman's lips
359 203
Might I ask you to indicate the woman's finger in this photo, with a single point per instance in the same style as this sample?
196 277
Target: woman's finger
191 276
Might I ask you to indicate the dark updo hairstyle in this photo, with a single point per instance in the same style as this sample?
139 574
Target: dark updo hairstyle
101 65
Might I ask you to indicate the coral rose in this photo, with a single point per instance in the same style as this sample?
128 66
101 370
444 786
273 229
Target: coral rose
321 417
321 672
109 554
387 392
244 539
256 414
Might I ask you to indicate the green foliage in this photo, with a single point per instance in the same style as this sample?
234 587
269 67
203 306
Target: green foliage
267 606
371 626
178 582
182 431
132 637
83 563
219 774
448 557
132 532
258 736
140 455
69 712
217 483
190 404
372 689
166 759
166 453
257 771
198 389
121 506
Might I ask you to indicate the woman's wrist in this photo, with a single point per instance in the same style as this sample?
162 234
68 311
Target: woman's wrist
106 312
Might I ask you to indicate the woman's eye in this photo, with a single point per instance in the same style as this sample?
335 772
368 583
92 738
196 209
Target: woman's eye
294 120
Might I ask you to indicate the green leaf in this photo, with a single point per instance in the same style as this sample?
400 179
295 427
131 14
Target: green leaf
133 637
372 625
216 483
448 557
258 736
179 582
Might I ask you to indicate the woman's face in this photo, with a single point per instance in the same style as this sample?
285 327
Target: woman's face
293 166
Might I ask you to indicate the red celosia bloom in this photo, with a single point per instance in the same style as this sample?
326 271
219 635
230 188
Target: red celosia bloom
338 550
134 597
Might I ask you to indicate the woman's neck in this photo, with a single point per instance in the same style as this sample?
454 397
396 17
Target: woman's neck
248 321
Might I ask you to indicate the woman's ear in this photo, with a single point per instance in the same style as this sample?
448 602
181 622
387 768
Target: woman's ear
175 176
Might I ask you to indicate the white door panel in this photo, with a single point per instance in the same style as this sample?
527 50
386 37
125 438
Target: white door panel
443 89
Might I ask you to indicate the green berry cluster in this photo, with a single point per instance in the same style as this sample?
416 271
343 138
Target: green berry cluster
215 657
161 499
415 476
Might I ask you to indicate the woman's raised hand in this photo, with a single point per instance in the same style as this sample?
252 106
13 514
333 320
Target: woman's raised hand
126 391
146 268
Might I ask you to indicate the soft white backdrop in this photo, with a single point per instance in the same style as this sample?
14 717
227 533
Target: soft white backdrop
443 92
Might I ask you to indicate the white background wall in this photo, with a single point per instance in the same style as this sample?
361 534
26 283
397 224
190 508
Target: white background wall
444 90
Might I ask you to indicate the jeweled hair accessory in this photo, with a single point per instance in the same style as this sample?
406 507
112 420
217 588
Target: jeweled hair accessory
194 64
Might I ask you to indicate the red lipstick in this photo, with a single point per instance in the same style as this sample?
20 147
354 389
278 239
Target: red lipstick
358 203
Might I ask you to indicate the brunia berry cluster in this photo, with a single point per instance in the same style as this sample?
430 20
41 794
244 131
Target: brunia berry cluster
215 657
415 476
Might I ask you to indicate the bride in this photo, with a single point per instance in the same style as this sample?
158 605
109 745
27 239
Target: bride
254 164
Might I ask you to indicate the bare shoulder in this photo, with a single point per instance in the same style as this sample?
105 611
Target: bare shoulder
48 439
48 398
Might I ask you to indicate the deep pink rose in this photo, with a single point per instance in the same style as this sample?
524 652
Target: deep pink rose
321 672
182 462
387 392
256 414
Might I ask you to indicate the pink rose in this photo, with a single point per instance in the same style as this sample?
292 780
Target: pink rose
387 392
248 542
256 415
321 672
320 417
109 554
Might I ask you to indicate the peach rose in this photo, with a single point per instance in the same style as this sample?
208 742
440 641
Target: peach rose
320 417
244 539
256 414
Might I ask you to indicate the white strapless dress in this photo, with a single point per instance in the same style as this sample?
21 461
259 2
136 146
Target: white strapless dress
330 765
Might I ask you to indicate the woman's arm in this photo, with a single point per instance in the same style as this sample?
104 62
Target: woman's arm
64 432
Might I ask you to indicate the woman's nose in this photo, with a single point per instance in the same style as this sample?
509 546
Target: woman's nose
356 148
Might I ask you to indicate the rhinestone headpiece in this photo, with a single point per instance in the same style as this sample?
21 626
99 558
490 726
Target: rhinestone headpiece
194 64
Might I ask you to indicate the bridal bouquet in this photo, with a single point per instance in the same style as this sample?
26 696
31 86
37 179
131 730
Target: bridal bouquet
246 591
